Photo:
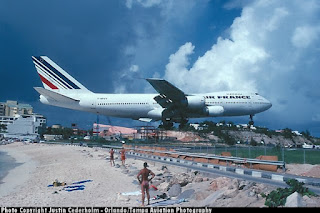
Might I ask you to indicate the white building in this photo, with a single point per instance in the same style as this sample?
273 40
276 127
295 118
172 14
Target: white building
296 133
23 126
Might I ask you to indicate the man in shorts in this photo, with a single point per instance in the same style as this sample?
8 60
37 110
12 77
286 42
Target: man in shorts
144 181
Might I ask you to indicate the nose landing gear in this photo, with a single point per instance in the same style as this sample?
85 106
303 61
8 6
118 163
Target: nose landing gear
251 122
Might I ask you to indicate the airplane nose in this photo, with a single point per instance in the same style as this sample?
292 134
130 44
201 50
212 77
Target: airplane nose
269 104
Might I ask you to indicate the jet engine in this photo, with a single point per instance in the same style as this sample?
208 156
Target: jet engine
156 114
195 102
214 111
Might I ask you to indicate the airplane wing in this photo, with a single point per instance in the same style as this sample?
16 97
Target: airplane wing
169 95
55 96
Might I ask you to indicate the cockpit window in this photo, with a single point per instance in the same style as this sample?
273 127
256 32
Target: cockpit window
256 93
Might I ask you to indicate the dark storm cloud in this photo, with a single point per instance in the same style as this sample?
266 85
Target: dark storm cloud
86 39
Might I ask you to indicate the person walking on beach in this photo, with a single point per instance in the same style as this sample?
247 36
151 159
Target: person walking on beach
144 181
112 157
123 156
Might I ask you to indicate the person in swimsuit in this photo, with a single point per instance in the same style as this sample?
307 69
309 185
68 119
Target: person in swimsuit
123 156
112 157
144 181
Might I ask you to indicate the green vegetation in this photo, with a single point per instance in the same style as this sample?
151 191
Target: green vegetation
65 132
3 128
279 196
74 135
217 128
226 132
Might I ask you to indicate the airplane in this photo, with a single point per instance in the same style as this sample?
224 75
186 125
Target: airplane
170 105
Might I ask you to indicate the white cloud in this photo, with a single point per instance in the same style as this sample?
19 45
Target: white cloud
134 68
144 3
179 61
120 89
303 36
127 80
272 47
157 27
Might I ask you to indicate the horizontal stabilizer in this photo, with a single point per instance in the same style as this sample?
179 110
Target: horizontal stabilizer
55 96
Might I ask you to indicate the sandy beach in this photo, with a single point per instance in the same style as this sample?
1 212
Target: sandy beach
27 184
103 185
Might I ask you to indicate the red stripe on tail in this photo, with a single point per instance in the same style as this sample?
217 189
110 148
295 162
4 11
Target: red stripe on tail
48 83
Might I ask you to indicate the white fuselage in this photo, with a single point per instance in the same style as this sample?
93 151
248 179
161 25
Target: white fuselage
170 104
136 106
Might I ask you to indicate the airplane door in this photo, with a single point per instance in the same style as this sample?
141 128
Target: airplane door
93 105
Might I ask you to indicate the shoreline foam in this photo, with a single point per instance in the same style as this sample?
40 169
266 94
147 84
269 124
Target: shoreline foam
26 185
18 175
7 163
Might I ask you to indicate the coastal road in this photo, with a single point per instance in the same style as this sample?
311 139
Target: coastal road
266 178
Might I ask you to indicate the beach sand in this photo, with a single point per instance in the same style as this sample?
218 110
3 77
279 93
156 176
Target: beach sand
41 165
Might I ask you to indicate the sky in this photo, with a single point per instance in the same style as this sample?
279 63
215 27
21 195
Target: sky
267 46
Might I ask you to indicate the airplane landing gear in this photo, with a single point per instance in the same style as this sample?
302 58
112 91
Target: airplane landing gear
183 123
167 125
251 122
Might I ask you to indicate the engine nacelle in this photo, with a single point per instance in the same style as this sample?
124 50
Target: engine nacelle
156 114
214 111
195 102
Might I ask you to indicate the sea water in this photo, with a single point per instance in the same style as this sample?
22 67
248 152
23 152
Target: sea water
6 164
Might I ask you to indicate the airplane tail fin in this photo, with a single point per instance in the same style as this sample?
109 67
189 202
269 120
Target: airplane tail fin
54 78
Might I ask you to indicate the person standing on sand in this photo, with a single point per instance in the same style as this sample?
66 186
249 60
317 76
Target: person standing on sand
123 156
112 157
144 181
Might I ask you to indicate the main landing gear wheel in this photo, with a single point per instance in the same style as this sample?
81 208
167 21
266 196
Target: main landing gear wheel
167 125
251 122
183 123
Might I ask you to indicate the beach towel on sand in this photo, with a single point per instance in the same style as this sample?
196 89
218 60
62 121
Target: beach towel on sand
168 202
84 181
131 193
74 186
